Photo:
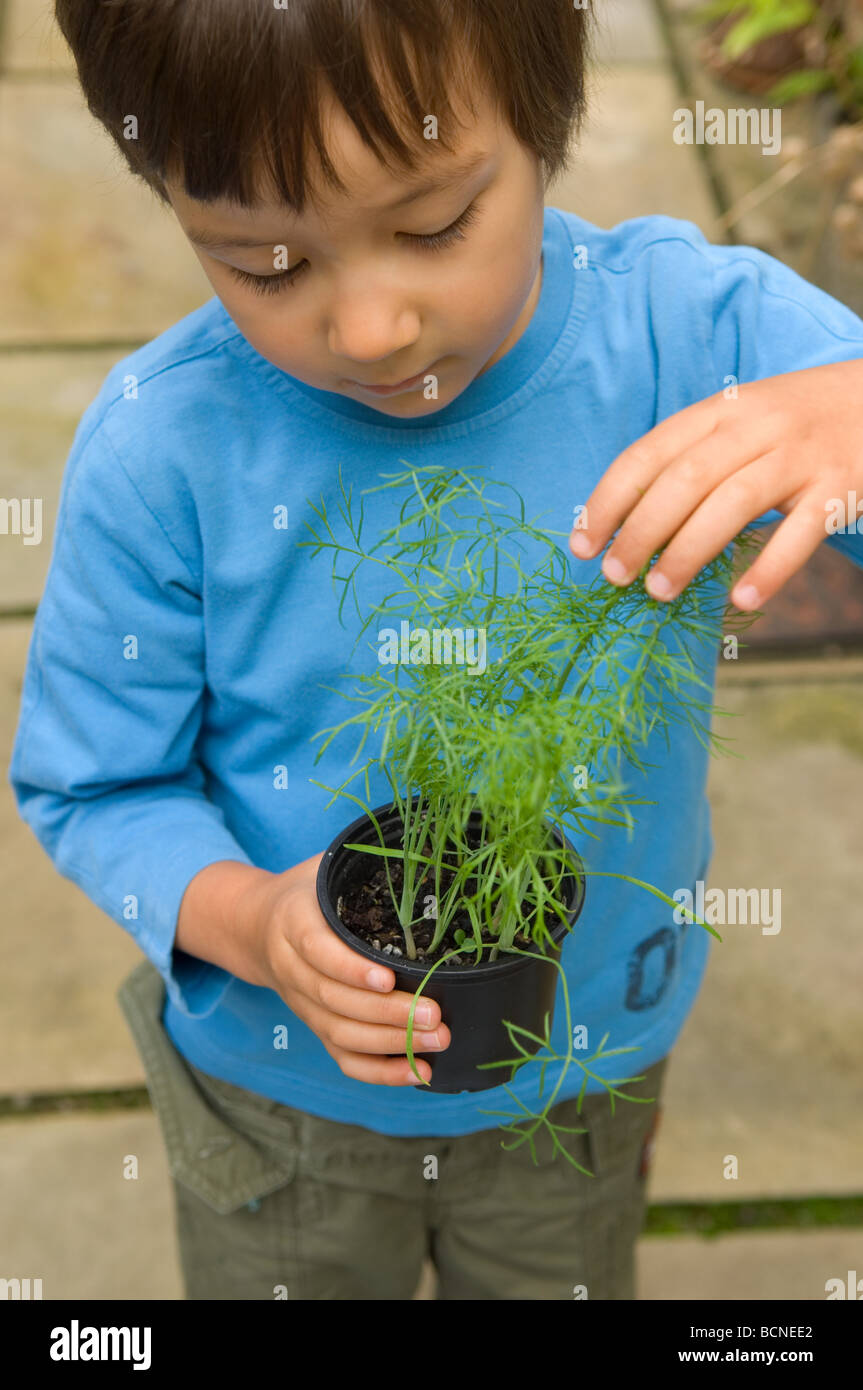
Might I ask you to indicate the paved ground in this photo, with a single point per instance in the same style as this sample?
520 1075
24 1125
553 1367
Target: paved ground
768 1067
70 1218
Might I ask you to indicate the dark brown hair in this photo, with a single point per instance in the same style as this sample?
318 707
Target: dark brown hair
220 89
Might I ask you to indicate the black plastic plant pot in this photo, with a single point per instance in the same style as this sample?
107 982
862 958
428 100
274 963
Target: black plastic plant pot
474 999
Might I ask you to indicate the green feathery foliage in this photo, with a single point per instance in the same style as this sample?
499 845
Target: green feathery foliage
573 682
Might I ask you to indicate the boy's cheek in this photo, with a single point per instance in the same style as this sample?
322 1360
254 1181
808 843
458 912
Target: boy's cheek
281 341
490 299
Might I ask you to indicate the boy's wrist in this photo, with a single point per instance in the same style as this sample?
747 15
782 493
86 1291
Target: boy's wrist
221 917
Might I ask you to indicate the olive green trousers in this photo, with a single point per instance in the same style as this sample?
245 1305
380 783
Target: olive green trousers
274 1203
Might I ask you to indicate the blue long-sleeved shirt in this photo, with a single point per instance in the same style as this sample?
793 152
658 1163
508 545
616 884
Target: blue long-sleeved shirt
183 639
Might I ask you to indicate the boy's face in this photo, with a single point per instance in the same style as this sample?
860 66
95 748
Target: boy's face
370 304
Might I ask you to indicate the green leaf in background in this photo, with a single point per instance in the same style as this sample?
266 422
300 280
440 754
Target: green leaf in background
763 22
800 84
716 9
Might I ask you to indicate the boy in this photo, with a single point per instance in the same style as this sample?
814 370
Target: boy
388 286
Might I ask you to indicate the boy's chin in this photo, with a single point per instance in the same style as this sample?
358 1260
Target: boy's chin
411 405
404 408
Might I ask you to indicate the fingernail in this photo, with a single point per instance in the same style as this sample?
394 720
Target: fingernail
429 1040
378 979
614 570
658 585
581 545
423 1015
747 596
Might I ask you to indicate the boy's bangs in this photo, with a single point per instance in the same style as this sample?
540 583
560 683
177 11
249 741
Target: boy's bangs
226 95
256 136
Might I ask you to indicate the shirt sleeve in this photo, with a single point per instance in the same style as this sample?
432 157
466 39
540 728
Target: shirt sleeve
103 766
767 321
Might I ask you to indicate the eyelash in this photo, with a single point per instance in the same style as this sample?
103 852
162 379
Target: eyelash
435 241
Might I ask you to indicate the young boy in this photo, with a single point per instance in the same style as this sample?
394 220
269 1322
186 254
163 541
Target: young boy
364 189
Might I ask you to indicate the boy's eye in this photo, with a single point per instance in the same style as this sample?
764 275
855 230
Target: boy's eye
268 284
454 232
433 241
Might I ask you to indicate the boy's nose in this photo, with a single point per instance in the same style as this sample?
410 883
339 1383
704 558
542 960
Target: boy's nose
372 333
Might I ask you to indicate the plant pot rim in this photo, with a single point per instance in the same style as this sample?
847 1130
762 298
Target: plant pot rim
506 961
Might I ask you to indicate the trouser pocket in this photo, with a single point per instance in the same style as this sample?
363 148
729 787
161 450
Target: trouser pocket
270 1202
222 1166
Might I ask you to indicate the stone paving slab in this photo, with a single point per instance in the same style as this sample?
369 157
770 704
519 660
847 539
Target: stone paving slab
61 958
32 41
42 398
777 1266
768 1067
628 31
70 1218
824 668
626 164
86 251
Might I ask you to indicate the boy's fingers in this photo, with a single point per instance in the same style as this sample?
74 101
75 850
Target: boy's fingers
314 940
683 486
371 1039
746 494
380 1071
361 1005
368 1006
319 946
798 537
628 477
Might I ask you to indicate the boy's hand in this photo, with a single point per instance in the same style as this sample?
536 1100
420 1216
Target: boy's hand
790 442
330 987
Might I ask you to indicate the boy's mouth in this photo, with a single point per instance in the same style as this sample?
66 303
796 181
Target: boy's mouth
407 385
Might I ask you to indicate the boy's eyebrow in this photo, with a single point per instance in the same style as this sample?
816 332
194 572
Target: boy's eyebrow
455 175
